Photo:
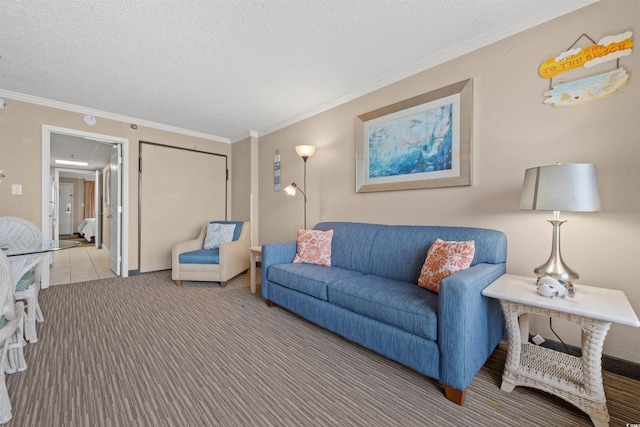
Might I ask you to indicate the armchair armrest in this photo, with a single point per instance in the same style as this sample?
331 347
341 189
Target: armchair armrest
187 246
276 253
470 325
234 256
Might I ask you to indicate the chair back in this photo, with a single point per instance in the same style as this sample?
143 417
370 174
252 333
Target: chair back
20 233
6 284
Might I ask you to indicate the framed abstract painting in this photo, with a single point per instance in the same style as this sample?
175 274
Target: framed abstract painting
421 142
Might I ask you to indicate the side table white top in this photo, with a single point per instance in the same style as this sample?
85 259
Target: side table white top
597 303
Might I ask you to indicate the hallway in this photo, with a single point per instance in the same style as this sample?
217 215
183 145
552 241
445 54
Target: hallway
79 265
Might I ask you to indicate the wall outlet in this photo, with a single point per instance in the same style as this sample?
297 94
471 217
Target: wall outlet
537 340
16 189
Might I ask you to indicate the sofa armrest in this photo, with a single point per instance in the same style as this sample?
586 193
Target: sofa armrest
470 325
276 253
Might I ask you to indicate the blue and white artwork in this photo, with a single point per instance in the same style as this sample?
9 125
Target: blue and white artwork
416 143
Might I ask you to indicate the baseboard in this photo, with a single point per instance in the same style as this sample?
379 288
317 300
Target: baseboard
609 363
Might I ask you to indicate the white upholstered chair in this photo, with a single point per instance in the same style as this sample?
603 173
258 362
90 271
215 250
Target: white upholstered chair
23 234
190 261
11 338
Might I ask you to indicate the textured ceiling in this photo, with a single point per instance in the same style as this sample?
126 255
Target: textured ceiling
225 68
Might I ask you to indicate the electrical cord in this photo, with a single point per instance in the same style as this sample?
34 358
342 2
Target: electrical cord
554 333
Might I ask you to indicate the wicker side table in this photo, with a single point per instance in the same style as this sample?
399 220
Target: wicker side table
578 380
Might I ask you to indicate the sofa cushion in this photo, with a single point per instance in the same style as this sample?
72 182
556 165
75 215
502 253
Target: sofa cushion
351 244
398 252
400 304
201 256
310 279
314 247
443 260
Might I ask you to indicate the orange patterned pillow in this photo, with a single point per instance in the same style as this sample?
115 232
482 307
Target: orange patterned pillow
314 247
443 260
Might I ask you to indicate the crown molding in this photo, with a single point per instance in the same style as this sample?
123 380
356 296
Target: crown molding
106 115
560 9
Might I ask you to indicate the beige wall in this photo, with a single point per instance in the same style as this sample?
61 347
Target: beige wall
245 189
241 174
512 130
21 151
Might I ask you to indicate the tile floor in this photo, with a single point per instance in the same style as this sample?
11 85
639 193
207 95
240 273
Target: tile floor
79 265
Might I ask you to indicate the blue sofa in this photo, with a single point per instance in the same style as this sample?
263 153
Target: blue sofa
370 296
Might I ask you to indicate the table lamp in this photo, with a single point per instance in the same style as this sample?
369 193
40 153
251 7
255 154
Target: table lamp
560 187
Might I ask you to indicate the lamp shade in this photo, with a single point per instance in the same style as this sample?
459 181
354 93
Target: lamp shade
305 150
291 189
567 187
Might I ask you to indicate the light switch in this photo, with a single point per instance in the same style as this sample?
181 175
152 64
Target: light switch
16 189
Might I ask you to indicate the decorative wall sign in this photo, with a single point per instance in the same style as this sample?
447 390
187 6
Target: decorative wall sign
422 142
588 89
276 171
595 87
607 49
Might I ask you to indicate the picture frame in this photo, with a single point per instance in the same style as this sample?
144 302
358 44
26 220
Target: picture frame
421 142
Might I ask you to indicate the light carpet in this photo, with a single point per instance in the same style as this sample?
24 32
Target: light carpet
141 351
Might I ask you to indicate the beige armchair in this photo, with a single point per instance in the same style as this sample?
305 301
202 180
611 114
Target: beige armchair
189 261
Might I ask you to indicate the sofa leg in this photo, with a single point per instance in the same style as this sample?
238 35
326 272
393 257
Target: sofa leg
178 282
454 395
223 284
270 303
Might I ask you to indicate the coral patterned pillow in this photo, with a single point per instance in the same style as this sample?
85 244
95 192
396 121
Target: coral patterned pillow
443 260
314 247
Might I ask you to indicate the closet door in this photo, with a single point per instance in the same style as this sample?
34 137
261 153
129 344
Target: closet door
179 190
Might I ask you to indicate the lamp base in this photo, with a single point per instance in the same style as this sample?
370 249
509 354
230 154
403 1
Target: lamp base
555 266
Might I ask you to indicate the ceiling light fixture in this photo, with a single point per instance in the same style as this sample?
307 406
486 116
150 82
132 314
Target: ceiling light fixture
71 163
89 120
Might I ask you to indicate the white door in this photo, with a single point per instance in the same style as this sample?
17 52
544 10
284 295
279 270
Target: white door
115 209
98 208
53 210
65 208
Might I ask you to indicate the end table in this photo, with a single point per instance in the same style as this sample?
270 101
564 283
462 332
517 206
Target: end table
255 255
578 380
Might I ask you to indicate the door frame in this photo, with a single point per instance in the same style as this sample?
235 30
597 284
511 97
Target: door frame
47 130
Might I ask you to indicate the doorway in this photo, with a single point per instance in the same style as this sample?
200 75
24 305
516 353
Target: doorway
119 199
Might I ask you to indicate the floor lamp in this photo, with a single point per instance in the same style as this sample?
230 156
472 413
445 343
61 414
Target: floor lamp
304 151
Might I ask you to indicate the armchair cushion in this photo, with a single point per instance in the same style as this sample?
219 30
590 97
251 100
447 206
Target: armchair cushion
218 234
202 256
